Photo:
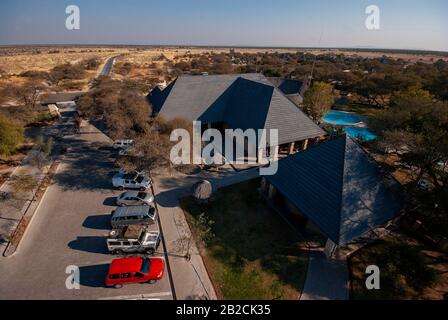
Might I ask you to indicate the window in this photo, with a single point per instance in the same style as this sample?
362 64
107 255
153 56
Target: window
139 275
114 276
126 243
146 264
126 275
114 243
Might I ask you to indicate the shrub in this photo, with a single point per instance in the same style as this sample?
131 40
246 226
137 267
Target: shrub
11 135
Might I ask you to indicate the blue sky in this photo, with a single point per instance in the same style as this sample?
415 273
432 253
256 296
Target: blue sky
411 24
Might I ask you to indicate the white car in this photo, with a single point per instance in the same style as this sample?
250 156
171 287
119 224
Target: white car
135 198
132 180
423 184
123 144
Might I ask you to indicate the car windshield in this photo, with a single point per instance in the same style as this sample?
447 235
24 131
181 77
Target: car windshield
130 176
146 264
141 195
140 179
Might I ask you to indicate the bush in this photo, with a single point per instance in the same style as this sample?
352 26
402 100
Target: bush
68 71
11 135
404 271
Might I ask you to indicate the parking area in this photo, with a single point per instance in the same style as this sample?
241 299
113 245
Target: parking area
69 228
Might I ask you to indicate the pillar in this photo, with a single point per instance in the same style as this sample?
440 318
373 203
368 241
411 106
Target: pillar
291 148
261 156
305 144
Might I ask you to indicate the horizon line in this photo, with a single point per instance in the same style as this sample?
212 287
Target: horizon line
361 48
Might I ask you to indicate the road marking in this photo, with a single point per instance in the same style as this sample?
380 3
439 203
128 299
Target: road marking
148 296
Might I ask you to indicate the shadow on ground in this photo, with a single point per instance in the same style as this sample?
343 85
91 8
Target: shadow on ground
93 276
89 244
90 167
98 222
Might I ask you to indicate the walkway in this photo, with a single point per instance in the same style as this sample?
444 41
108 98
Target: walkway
325 279
169 189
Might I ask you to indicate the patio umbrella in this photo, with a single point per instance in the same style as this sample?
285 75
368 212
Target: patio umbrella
202 190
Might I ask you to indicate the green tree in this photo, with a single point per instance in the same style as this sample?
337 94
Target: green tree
11 135
318 100
419 127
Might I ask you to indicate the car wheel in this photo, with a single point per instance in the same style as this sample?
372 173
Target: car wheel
122 204
142 189
118 252
150 252
152 281
118 286
121 188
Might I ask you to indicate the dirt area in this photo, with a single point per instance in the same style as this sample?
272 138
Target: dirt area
8 164
401 282
13 61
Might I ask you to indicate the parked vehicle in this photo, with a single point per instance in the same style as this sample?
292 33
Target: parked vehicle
133 239
123 144
423 184
132 180
135 198
131 152
134 215
134 270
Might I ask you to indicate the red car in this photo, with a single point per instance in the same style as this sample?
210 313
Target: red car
134 270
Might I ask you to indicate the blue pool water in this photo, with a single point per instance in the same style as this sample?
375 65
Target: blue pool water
347 120
342 118
360 133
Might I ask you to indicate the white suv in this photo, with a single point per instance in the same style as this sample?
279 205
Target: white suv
123 144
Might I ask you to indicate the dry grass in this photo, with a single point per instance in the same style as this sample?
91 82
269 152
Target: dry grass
15 62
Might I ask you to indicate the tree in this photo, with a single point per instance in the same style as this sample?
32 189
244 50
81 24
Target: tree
27 94
417 126
125 112
11 135
318 100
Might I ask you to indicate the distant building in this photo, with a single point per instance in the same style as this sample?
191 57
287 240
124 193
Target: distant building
294 90
246 101
58 98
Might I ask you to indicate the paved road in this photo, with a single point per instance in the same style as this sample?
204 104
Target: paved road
69 228
107 68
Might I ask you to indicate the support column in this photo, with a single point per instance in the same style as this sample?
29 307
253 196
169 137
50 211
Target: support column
291 148
330 248
274 157
261 156
305 144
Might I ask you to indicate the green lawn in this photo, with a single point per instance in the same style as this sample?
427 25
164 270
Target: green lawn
251 253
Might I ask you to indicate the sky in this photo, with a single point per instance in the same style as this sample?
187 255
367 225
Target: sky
404 24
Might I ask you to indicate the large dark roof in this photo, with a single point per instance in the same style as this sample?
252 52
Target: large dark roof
241 101
339 188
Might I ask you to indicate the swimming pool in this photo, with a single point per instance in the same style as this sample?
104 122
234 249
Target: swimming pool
348 122
342 118
360 133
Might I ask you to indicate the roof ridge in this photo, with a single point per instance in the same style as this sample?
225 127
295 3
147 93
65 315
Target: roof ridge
341 198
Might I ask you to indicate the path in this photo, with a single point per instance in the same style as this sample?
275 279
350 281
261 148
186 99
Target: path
325 279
